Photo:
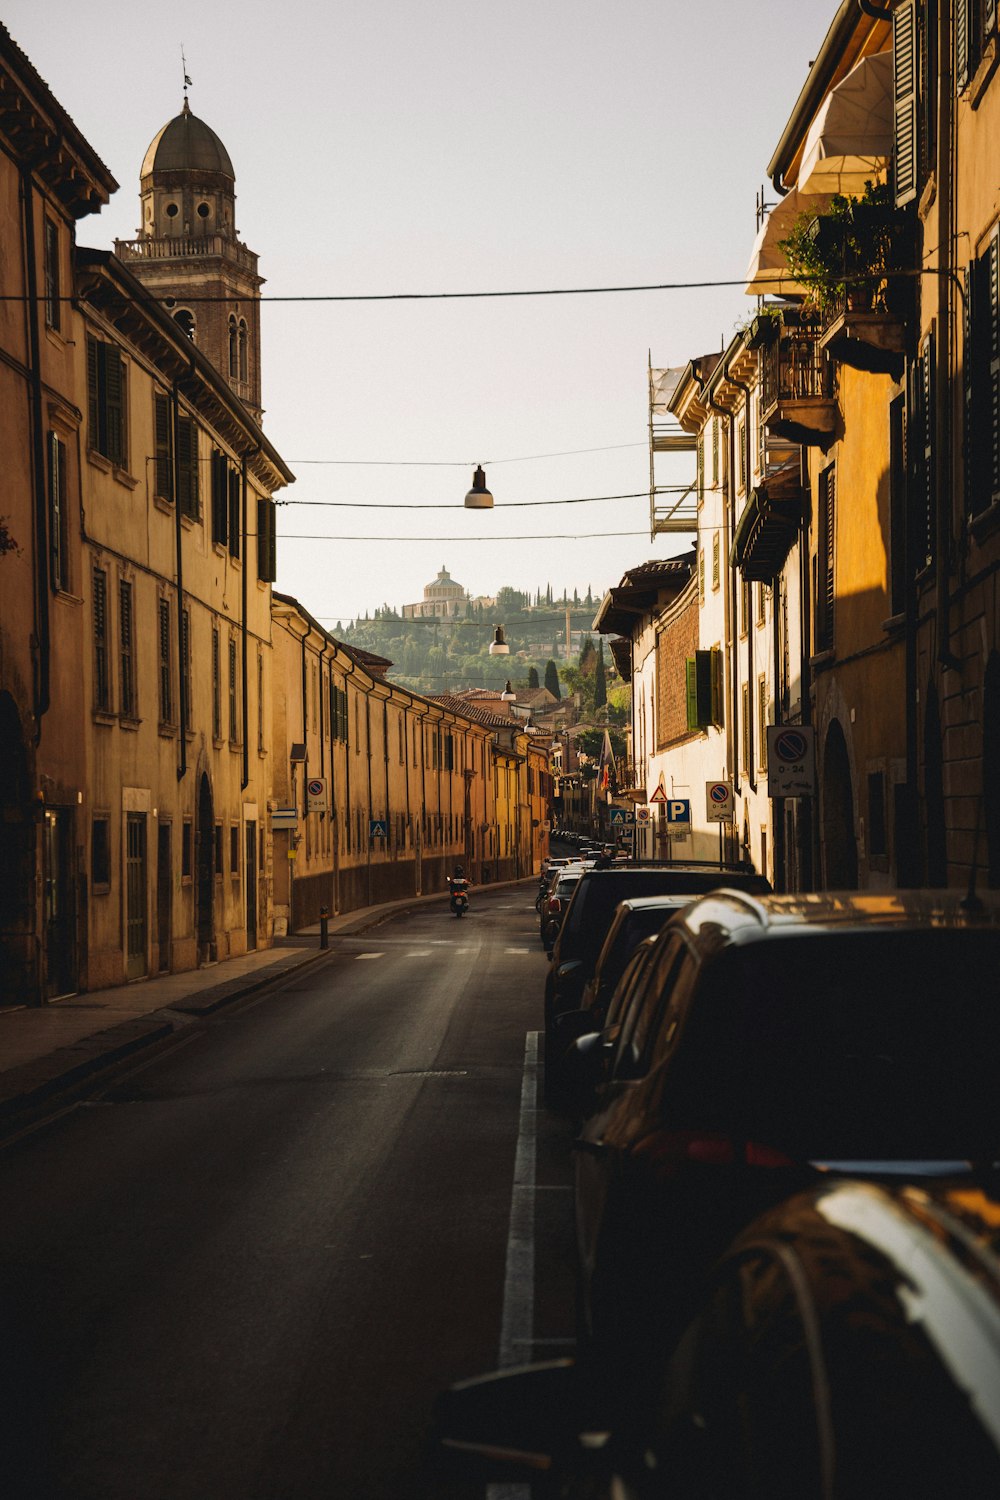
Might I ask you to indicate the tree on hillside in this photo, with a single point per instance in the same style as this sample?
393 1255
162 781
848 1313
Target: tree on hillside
600 681
588 657
532 677
552 678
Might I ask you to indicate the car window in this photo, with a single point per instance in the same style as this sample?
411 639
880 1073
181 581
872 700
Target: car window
633 1045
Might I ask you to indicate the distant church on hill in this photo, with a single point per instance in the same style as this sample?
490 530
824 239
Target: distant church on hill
444 599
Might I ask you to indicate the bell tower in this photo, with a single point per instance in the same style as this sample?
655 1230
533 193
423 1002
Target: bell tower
187 252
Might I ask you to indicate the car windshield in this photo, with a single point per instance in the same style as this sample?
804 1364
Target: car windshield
876 1045
635 925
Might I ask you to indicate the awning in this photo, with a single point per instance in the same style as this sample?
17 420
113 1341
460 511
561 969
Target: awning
662 386
767 272
766 531
850 140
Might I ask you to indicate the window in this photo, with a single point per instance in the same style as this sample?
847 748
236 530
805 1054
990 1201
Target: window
700 466
878 843
761 603
187 849
234 850
184 317
220 497
825 559
897 504
741 444
58 518
100 854
187 468
164 662
701 574
716 563
163 446
260 699
762 721
975 26
744 606
235 527
704 689
915 73
982 382
234 366
746 728
234 722
716 470
102 672
53 307
106 401
216 685
126 644
267 570
217 840
923 502
242 339
185 707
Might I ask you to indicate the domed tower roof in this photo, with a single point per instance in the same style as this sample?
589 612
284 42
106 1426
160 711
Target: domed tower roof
187 144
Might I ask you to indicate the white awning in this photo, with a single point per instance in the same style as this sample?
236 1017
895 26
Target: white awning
850 141
767 273
662 386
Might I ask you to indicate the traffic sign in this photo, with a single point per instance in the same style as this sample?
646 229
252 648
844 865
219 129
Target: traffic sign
720 804
316 797
378 828
660 795
678 813
791 760
620 816
642 816
284 817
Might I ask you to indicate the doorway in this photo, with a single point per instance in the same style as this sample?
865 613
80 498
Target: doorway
205 872
136 927
18 961
250 882
164 895
60 905
839 844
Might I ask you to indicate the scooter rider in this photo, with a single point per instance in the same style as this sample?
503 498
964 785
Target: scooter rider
458 885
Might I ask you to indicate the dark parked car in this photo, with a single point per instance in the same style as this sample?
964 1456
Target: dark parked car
582 933
555 901
846 1347
772 1042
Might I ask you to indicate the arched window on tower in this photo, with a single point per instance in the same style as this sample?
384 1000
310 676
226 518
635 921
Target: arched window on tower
185 317
243 350
234 365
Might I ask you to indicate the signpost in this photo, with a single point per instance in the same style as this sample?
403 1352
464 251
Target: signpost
284 817
679 814
317 799
791 760
378 828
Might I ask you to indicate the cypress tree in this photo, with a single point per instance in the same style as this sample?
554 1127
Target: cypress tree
552 678
600 681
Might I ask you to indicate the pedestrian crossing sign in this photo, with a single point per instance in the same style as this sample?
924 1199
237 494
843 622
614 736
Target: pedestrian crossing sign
378 828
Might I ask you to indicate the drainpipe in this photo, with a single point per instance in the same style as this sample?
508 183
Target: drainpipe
41 654
179 548
726 547
734 600
945 306
807 838
243 631
877 12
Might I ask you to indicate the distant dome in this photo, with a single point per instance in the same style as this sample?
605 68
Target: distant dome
187 144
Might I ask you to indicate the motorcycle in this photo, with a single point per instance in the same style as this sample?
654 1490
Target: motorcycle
459 902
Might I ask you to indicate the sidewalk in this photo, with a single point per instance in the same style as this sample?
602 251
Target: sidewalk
50 1054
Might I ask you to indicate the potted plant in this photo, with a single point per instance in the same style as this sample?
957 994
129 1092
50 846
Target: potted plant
841 255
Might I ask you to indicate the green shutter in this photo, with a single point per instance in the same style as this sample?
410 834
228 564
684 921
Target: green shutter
718 717
964 13
266 541
905 89
220 498
93 396
114 403
691 683
187 467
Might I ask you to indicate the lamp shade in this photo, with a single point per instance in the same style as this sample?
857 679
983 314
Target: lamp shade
498 646
479 497
508 695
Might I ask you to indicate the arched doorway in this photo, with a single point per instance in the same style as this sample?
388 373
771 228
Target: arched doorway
840 850
205 872
17 855
936 835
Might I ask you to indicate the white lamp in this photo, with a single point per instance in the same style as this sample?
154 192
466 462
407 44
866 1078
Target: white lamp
479 497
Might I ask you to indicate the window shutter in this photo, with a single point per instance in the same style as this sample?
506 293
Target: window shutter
102 694
93 396
991 288
989 18
905 89
220 498
187 467
964 11
166 706
164 478
926 496
718 716
266 541
57 511
234 479
114 389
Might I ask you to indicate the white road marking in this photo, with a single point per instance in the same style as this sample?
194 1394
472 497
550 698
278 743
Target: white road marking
517 950
418 953
518 1320
369 955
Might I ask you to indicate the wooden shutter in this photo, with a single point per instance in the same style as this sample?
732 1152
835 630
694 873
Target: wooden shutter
220 498
926 490
235 486
991 287
964 13
161 420
126 644
905 90
102 695
166 696
989 18
93 396
114 403
57 512
187 467
266 541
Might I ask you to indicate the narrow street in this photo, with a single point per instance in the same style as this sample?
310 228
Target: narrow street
247 1269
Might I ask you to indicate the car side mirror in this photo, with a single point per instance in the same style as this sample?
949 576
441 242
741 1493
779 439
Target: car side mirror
584 1065
516 1424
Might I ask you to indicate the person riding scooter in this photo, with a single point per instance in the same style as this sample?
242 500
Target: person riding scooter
459 888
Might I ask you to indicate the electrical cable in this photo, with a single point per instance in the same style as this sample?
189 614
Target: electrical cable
558 536
507 505
453 463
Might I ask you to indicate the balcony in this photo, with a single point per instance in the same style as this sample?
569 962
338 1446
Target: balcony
797 389
187 247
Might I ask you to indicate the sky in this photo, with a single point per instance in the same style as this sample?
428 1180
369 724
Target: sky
392 146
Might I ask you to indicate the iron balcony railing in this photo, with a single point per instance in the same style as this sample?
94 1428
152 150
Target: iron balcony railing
794 367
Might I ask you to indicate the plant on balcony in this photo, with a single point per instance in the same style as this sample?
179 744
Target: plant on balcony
842 255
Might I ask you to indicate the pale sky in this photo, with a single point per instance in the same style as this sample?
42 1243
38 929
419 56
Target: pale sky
401 147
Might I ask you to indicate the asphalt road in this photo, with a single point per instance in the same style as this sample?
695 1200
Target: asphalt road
245 1271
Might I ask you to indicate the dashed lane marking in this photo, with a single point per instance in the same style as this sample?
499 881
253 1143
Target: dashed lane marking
369 955
517 950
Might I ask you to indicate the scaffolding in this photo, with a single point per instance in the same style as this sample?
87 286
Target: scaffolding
672 507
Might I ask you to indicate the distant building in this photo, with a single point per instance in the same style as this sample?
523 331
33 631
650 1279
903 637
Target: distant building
444 599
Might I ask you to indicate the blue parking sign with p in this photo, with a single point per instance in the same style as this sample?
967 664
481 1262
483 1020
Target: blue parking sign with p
679 810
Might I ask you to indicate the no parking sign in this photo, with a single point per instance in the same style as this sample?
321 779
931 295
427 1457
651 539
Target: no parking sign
719 804
791 760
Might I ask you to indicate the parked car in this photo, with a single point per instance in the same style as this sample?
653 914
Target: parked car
556 901
845 1347
634 919
581 935
771 1043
